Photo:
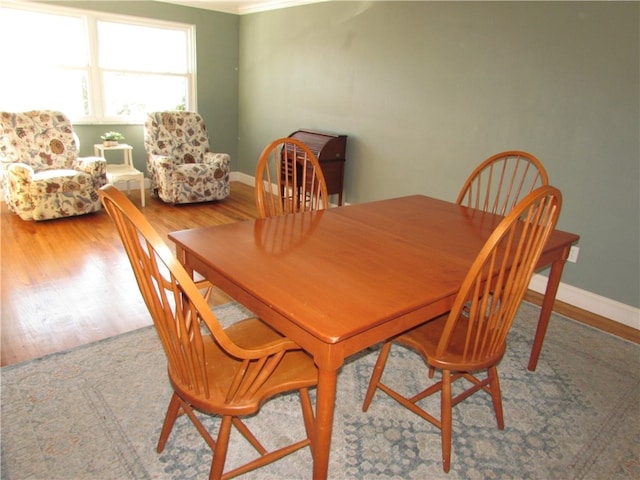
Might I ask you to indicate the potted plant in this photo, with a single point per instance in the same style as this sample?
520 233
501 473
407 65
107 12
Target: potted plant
110 139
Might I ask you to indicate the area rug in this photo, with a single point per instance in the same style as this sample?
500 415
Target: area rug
95 412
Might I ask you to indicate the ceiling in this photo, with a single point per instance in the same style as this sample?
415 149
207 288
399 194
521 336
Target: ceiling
240 6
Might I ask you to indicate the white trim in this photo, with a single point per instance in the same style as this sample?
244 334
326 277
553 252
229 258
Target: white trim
241 7
242 178
591 302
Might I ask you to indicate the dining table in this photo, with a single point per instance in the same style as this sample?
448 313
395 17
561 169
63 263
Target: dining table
341 280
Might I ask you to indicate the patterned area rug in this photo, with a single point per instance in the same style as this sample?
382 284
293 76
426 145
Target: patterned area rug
95 412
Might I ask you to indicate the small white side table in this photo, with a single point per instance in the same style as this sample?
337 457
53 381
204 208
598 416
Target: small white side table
122 172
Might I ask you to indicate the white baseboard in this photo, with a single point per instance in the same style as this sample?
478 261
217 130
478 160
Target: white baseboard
242 178
591 302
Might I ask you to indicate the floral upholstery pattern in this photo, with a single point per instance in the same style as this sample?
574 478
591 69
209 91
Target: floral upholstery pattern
43 177
179 163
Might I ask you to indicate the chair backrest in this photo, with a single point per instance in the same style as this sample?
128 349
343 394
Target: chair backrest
176 134
492 290
289 179
501 181
176 305
43 139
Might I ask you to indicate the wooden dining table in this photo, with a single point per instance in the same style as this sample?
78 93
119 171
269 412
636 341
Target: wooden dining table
340 280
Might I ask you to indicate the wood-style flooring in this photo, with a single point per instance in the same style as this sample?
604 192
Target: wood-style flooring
68 282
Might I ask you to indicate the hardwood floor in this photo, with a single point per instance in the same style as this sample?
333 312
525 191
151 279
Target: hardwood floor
68 282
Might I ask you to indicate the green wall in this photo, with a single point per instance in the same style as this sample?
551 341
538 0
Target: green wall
426 90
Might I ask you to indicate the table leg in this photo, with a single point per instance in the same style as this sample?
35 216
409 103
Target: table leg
181 255
547 307
325 404
142 188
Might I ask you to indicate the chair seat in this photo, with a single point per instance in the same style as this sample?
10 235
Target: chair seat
192 172
425 338
296 370
47 182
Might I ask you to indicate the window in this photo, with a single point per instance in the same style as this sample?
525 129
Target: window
95 67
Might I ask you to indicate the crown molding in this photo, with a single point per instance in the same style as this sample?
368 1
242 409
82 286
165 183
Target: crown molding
241 7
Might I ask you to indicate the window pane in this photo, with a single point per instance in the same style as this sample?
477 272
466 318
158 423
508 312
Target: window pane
58 89
134 95
42 39
158 50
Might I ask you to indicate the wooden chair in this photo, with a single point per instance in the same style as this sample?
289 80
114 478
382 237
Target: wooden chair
227 372
472 337
289 179
501 181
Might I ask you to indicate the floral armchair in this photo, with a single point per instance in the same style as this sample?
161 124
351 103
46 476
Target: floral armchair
43 177
179 163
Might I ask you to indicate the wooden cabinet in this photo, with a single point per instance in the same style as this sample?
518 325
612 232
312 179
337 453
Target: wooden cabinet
330 150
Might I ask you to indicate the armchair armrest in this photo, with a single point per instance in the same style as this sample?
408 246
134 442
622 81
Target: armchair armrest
20 171
18 197
94 166
89 164
223 160
160 168
221 163
4 165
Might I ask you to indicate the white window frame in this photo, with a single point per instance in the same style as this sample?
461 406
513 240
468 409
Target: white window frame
96 96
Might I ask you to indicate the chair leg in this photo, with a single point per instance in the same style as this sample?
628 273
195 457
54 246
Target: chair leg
496 396
169 419
445 400
220 451
309 418
376 375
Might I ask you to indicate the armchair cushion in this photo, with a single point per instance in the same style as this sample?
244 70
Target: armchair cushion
43 177
179 163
